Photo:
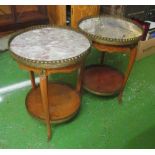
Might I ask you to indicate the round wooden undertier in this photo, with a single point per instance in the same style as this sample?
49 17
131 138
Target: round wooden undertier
64 102
102 80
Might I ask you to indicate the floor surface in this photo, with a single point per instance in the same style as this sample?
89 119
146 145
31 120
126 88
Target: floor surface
101 121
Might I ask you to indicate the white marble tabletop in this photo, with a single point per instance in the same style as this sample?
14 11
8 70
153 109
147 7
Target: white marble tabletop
49 44
110 27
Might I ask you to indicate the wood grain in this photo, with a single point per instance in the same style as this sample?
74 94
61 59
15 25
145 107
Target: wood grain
66 69
111 48
64 102
132 58
132 50
45 102
32 78
57 14
80 11
103 80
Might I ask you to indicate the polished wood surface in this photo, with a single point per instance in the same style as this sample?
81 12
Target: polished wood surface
57 14
15 17
63 102
47 72
32 78
102 57
110 48
79 78
45 102
132 50
102 80
53 102
133 53
80 11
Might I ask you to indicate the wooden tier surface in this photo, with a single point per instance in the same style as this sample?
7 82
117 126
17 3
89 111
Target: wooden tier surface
64 102
102 80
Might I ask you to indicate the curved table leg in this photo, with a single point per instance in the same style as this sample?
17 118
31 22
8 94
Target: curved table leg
102 57
32 79
133 53
80 76
44 96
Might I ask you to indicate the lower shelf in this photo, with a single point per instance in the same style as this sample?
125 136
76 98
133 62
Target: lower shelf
102 80
64 102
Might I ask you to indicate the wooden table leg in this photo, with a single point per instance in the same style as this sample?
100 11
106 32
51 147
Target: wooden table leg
44 95
133 53
102 57
79 78
32 79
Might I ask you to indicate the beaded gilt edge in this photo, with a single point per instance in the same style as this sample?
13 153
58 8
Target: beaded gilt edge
49 64
111 41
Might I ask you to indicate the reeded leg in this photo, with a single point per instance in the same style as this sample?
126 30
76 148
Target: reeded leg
102 57
133 53
32 79
79 78
44 95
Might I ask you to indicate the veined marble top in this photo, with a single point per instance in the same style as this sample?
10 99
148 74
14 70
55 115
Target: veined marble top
49 44
110 27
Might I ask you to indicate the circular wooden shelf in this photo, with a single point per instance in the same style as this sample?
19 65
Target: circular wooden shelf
64 102
102 80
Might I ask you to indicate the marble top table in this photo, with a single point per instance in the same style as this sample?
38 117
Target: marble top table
47 50
49 47
111 30
110 34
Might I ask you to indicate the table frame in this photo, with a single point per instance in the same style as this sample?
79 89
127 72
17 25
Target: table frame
119 49
43 74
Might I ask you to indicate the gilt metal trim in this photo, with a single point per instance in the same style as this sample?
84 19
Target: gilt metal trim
49 64
111 41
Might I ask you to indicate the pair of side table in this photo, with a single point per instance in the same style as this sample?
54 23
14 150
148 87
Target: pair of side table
48 50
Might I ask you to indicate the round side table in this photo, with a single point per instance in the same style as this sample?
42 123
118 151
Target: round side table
109 34
47 50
